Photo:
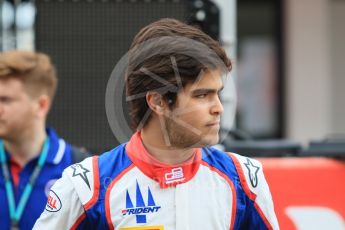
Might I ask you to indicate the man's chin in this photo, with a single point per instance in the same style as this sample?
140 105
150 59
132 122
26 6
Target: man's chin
209 140
2 134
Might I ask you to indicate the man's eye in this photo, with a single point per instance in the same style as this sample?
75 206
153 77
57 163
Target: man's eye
201 95
5 99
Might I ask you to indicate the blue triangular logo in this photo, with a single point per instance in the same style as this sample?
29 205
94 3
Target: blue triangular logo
140 210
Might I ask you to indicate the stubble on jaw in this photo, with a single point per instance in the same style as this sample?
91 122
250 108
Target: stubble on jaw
183 137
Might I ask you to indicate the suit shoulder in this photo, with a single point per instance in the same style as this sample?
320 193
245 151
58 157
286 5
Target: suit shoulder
85 178
217 158
114 161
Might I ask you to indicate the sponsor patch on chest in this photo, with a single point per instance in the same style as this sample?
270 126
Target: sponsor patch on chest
140 209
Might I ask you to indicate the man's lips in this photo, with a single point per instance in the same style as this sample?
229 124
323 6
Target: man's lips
214 123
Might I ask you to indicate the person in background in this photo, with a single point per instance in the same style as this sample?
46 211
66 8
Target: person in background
32 156
167 176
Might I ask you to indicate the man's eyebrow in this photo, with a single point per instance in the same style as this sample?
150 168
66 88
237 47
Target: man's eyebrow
207 90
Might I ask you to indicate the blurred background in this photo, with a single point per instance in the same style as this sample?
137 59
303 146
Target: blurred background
289 67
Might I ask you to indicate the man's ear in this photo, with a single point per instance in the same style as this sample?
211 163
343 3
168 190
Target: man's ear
156 102
43 103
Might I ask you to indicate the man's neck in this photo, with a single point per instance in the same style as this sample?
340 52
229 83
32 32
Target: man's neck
27 146
155 145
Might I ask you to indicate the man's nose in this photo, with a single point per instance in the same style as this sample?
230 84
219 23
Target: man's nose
217 106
